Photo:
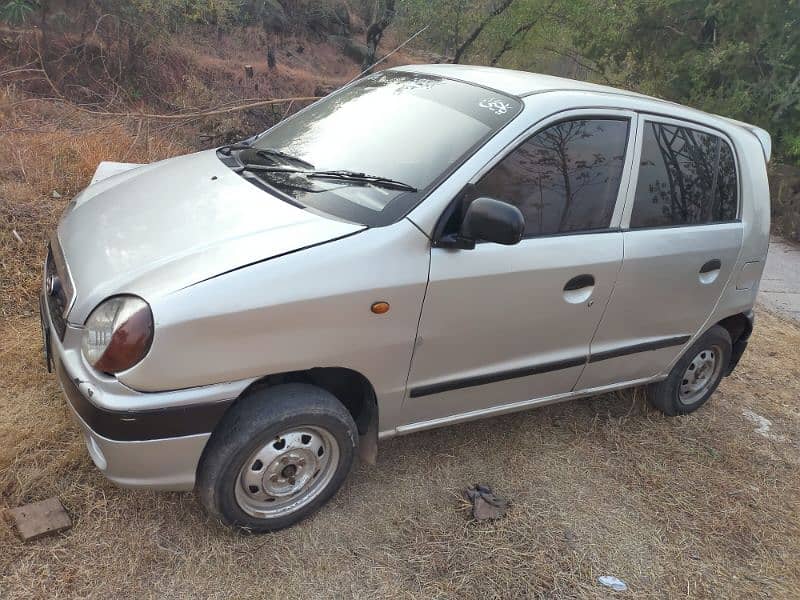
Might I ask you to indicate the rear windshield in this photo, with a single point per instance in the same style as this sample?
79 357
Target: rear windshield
407 127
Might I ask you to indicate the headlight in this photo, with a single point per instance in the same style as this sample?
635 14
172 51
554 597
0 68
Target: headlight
118 334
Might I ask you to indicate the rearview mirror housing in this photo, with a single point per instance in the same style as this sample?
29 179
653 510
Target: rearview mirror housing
487 220
492 220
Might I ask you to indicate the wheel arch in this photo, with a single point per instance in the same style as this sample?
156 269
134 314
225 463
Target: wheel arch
739 326
350 387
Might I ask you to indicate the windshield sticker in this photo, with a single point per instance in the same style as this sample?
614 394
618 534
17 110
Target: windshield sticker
495 105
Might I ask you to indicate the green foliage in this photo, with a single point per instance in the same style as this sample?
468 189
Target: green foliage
151 17
16 12
448 21
793 146
737 58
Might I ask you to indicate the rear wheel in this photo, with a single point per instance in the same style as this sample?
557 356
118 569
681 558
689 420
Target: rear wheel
276 457
695 376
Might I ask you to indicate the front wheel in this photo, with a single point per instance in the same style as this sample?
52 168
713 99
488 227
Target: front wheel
695 376
276 457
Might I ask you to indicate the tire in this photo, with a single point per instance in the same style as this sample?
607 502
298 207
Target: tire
684 391
293 443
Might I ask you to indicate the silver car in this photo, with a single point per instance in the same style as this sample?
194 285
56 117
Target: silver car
427 245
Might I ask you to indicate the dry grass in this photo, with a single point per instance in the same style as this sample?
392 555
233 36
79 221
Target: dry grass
46 149
700 506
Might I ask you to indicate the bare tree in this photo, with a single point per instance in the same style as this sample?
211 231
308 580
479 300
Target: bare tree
375 31
691 172
554 157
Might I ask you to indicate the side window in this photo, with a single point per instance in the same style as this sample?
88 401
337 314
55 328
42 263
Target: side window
686 177
565 178
726 202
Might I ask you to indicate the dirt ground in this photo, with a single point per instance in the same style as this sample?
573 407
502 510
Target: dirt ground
703 506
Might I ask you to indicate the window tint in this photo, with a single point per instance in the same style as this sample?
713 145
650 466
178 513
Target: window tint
564 178
726 200
686 177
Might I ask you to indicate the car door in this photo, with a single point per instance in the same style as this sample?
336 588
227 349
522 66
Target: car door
682 236
510 324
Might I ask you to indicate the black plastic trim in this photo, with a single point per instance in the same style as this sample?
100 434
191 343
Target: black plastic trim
740 345
126 426
456 384
655 227
644 347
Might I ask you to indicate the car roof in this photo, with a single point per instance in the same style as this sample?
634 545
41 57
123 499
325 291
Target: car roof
524 83
509 81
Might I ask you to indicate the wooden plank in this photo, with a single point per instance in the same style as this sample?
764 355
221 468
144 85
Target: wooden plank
40 518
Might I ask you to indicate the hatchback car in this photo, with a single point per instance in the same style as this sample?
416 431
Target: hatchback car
427 245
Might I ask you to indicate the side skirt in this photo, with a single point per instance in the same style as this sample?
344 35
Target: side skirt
510 408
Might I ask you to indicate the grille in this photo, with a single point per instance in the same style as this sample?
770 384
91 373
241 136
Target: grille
55 295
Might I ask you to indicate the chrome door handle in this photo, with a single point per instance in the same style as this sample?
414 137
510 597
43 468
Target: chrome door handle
579 282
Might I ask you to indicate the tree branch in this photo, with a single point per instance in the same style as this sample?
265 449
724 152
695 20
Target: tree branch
497 10
520 31
580 63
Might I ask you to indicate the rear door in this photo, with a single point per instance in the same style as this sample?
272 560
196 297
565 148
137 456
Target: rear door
509 324
682 236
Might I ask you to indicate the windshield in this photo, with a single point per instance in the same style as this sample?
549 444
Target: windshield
410 128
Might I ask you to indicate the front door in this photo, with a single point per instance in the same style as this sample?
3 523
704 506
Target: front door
503 325
682 239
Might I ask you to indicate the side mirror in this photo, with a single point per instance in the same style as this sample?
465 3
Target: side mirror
492 221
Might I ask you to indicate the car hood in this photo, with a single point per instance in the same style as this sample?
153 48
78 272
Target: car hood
161 227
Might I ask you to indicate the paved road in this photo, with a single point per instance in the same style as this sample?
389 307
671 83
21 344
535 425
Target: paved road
780 284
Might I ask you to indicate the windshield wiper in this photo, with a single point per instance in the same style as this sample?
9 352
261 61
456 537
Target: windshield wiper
339 175
344 175
228 148
265 152
272 152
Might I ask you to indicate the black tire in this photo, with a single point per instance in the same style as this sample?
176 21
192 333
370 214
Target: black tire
666 395
250 424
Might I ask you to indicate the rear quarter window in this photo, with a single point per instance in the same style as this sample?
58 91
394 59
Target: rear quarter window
686 177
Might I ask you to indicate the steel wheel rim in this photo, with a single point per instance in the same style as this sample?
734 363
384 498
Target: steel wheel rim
287 472
700 375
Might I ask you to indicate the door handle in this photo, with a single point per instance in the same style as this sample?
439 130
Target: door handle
710 271
714 264
579 282
579 289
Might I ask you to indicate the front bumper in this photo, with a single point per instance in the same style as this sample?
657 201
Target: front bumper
144 440
164 464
